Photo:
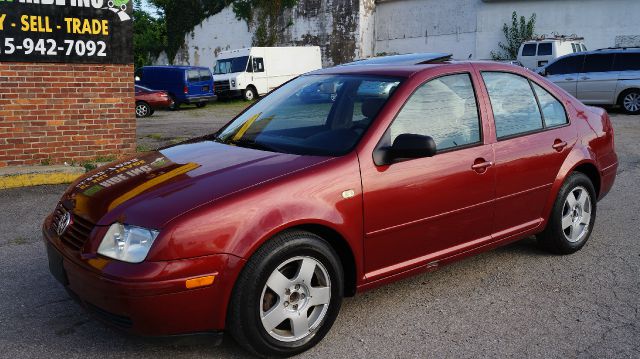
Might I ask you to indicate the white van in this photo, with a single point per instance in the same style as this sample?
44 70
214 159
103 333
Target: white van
536 53
254 71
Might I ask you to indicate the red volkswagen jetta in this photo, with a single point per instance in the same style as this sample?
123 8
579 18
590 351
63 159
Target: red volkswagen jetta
337 182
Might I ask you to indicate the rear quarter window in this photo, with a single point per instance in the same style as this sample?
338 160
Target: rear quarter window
193 75
627 62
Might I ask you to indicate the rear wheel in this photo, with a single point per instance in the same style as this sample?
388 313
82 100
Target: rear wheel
572 216
250 94
287 296
201 104
143 109
175 105
630 101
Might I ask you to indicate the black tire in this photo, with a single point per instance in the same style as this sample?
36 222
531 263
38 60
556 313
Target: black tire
143 109
555 238
201 104
248 298
629 100
250 94
176 104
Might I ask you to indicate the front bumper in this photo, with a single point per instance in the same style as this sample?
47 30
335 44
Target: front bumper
150 298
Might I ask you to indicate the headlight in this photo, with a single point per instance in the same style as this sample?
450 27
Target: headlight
127 243
233 83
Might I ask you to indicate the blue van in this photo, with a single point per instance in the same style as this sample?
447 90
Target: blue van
185 84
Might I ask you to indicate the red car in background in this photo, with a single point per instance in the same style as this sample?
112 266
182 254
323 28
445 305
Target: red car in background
148 100
394 166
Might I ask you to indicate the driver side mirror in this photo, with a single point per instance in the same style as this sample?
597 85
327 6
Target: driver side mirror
405 146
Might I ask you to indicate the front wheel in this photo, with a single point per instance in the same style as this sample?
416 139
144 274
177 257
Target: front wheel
630 102
250 94
572 217
287 296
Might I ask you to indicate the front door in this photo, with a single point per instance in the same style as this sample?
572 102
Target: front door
421 209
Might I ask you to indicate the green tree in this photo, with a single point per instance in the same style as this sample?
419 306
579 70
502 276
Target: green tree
520 31
149 35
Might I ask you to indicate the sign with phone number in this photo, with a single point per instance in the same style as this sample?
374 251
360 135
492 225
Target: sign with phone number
70 31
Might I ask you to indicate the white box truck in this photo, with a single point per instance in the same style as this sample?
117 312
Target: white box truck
254 71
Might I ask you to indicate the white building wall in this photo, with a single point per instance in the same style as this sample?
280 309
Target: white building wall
465 27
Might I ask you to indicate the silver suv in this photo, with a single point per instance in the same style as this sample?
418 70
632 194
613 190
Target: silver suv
602 77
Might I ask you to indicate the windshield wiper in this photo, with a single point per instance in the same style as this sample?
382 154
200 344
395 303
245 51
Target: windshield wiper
250 144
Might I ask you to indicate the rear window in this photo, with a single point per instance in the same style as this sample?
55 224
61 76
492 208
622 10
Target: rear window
205 75
545 49
566 65
627 62
193 75
598 63
529 50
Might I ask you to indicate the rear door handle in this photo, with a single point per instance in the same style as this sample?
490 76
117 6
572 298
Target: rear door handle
481 165
585 78
569 79
559 145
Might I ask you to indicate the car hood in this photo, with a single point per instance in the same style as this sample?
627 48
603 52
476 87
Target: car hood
151 189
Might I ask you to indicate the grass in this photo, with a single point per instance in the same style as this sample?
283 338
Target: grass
144 148
156 136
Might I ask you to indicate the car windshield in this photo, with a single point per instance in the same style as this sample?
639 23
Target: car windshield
323 115
227 66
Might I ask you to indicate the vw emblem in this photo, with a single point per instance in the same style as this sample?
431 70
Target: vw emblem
63 222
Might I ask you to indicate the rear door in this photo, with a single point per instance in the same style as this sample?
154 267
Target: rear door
533 140
199 82
564 72
597 82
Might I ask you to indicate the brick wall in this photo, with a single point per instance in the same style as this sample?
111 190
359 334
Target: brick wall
56 113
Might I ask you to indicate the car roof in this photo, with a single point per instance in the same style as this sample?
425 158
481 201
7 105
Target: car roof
402 65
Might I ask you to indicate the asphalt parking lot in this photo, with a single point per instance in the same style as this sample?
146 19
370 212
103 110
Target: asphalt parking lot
516 301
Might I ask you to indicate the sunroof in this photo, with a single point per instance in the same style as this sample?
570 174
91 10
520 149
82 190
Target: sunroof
408 59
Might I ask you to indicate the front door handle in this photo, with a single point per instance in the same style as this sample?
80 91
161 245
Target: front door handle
559 145
585 78
480 165
569 79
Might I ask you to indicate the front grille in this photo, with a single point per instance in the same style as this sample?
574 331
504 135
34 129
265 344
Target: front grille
77 232
111 318
221 86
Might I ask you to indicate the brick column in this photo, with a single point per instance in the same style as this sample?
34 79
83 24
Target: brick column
56 113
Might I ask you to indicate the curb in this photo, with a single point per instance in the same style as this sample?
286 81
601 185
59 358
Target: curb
15 177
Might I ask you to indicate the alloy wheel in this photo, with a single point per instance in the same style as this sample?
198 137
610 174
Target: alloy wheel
295 299
142 110
631 102
576 214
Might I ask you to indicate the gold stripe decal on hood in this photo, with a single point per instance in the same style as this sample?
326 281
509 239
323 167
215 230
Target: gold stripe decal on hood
152 183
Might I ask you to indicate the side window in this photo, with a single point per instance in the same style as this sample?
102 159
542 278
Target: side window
545 49
575 47
552 110
584 47
627 62
250 65
258 64
598 63
193 75
445 109
566 65
515 109
529 50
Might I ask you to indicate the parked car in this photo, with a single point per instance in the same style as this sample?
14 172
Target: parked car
185 84
255 71
148 100
263 227
601 77
536 53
